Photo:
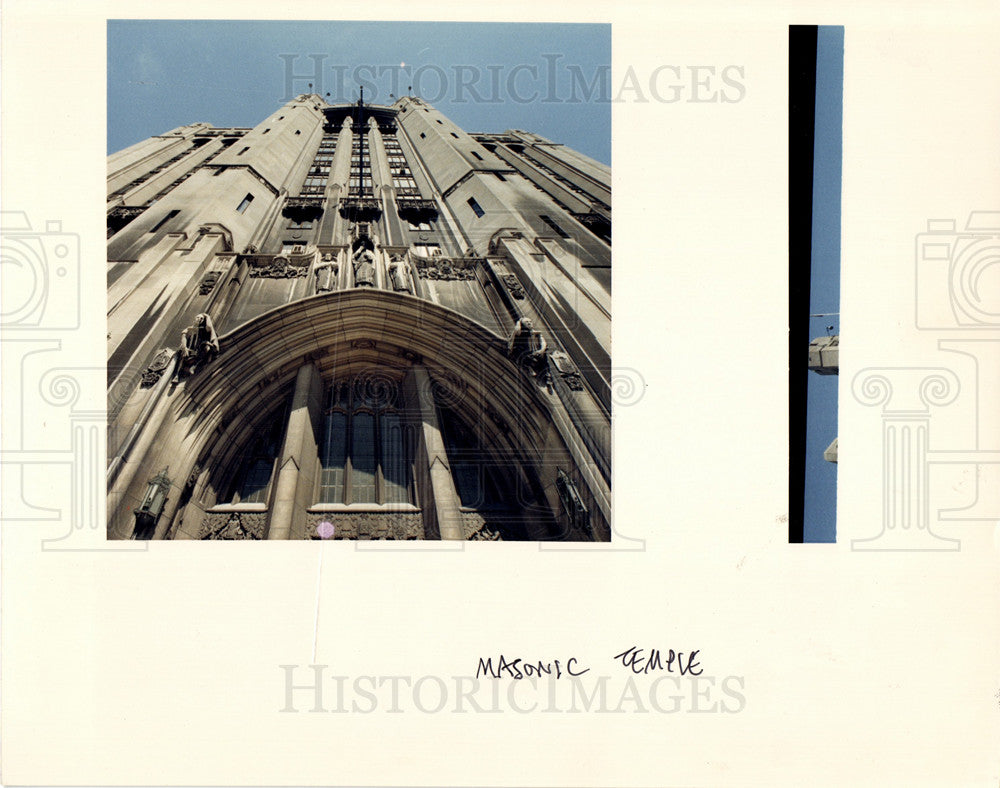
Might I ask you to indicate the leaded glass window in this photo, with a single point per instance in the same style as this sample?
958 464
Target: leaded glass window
365 453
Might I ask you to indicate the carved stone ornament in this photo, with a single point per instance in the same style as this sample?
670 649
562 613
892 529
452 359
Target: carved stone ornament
513 286
446 269
156 367
566 370
279 267
486 534
362 208
369 525
208 282
303 208
237 525
415 209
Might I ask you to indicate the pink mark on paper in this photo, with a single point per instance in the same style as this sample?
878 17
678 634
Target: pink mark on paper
325 529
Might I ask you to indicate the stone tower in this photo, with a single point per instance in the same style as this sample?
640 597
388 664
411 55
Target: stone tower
361 322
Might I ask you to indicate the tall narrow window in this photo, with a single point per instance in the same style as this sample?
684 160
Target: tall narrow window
476 155
245 204
334 458
319 171
361 167
364 457
394 467
243 151
476 209
256 465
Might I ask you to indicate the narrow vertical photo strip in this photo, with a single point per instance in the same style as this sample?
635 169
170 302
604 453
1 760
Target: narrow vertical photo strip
815 122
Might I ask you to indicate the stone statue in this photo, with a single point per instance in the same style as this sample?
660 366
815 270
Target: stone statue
363 260
326 275
527 347
400 281
199 344
364 268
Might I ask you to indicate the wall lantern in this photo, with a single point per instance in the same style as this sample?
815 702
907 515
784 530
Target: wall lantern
571 500
151 508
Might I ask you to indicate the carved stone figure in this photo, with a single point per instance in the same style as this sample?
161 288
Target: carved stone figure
527 346
363 259
326 276
400 279
199 344
364 269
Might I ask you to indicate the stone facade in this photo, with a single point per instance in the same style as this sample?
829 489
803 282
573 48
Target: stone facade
362 319
367 525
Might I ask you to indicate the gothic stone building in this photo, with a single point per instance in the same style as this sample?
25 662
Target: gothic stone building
358 322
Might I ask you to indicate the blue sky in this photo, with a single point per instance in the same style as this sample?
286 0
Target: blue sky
485 77
824 296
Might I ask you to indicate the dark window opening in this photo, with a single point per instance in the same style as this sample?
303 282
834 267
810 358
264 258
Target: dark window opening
256 465
265 132
476 208
243 151
453 134
477 155
365 450
246 202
